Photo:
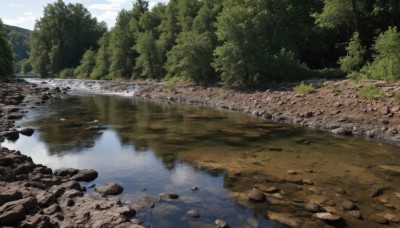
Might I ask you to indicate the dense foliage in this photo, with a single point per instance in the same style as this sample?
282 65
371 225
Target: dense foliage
6 55
20 39
239 42
62 36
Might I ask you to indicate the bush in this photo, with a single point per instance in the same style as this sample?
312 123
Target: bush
370 92
397 95
386 64
304 89
354 59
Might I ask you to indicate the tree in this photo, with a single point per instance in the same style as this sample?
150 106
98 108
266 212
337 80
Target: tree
6 57
62 36
88 62
102 60
386 64
354 59
149 59
191 58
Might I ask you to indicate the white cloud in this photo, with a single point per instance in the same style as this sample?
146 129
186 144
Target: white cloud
111 5
15 5
107 15
20 20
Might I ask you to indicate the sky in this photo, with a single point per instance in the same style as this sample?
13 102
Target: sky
24 13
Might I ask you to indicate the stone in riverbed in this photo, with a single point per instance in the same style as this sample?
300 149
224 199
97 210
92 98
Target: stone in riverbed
266 189
348 205
11 135
326 216
256 195
378 219
284 218
221 224
193 214
355 214
173 196
9 195
14 211
109 189
66 171
392 217
27 131
85 175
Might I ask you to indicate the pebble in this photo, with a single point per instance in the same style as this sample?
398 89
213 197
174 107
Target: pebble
221 223
193 214
256 195
292 172
326 216
355 214
308 182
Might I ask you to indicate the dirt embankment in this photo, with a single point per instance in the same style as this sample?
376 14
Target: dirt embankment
335 106
32 195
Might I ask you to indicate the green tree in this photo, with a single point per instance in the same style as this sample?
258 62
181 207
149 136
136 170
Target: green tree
88 62
386 63
149 59
354 59
6 57
61 37
102 61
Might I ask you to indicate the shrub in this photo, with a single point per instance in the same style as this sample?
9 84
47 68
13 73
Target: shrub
397 95
304 89
354 58
67 73
370 92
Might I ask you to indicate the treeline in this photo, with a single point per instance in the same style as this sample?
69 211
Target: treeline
20 41
239 42
6 54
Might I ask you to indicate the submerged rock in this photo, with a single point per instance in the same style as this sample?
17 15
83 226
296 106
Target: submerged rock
256 195
27 131
193 213
109 189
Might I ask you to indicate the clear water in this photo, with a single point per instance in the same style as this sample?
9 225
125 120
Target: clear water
158 148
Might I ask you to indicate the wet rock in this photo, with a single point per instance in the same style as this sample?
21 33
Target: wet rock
136 221
256 195
27 131
284 218
172 196
221 224
126 211
85 175
195 188
326 216
10 135
109 189
193 214
378 219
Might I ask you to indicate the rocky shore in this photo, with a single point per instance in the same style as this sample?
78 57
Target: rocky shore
334 106
32 195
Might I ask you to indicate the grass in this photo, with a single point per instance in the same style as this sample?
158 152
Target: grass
397 95
370 92
304 89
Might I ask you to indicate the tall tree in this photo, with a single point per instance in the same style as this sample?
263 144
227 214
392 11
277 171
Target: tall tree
61 37
88 62
102 59
6 57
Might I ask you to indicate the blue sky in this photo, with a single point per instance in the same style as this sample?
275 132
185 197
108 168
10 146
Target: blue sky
24 13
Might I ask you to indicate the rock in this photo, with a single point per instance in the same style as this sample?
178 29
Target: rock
376 191
136 221
308 182
24 168
10 135
326 216
195 188
109 189
383 199
378 219
391 168
126 211
193 214
12 216
27 131
292 172
66 171
173 196
273 148
256 195
221 224
355 214
392 217
384 110
395 109
397 194
72 193
52 209
348 205
266 189
284 218
85 175
313 207
277 195
45 198
9 195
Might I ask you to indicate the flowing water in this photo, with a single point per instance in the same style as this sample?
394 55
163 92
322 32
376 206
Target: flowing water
154 148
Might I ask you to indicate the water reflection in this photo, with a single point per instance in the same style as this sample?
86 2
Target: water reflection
153 148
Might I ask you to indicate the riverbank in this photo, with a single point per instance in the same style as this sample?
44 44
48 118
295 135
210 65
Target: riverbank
334 106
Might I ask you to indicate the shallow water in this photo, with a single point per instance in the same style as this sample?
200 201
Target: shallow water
158 148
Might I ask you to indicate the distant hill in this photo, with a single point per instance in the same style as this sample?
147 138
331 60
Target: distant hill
20 40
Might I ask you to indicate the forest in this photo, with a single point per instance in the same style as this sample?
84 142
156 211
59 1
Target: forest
238 42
